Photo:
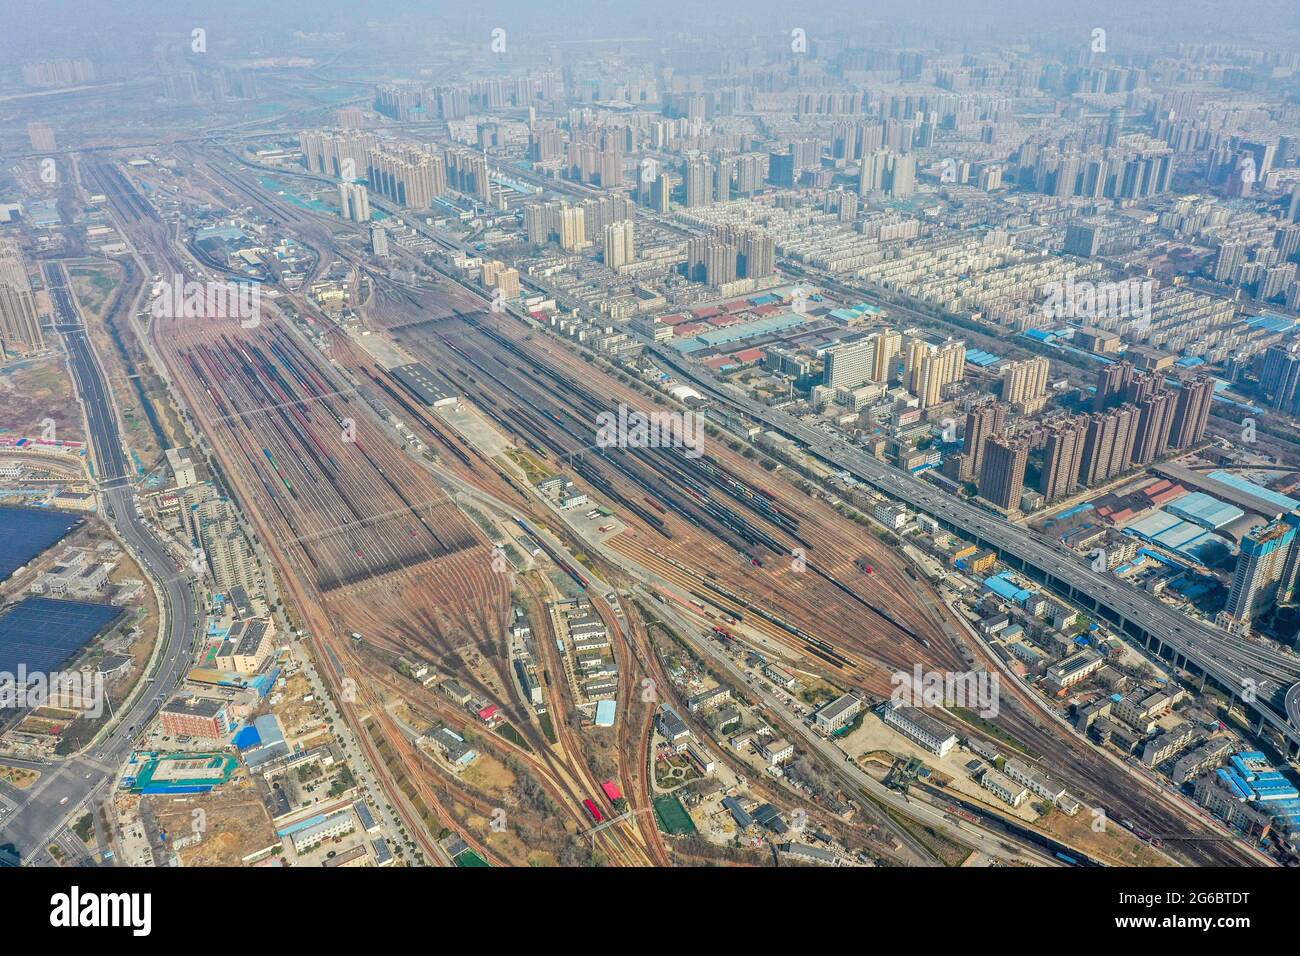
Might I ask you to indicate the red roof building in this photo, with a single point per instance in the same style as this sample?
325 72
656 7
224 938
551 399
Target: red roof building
611 790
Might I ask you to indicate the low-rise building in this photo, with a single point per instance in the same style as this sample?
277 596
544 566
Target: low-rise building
1075 668
919 727
204 717
776 751
837 713
1036 780
1004 788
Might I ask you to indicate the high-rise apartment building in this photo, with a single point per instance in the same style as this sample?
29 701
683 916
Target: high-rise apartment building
1108 445
982 423
1061 457
1259 569
930 366
1155 418
1112 384
699 183
617 247
354 202
1191 412
850 364
407 175
1002 474
1279 378
1024 384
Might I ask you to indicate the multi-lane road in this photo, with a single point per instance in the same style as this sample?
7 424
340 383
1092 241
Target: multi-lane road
1257 674
74 784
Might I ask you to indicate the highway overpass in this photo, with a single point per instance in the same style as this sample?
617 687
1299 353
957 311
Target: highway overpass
1263 679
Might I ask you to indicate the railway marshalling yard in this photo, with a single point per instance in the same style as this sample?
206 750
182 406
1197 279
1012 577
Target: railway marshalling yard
369 539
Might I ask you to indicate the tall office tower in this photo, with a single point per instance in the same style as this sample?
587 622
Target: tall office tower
41 137
1024 384
1191 412
1002 473
781 170
982 423
20 325
1112 383
757 255
1108 445
1279 378
871 178
1293 204
1155 416
889 346
661 194
354 203
1259 570
573 228
1226 260
378 240
618 248
849 364
699 183
929 367
1061 458
902 175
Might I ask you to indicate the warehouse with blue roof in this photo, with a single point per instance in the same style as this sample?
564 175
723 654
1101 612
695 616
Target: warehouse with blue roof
1182 537
1210 513
1007 589
1282 502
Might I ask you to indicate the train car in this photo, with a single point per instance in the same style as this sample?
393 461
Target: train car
594 810
1067 859
611 790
